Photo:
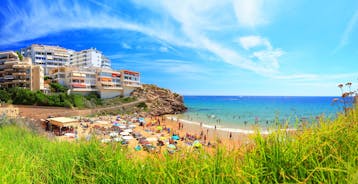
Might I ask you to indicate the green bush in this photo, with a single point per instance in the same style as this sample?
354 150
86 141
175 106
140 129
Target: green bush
58 88
78 100
94 98
142 105
68 104
4 96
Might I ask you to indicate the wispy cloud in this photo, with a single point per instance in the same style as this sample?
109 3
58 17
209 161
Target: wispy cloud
348 31
248 42
194 20
125 45
249 13
42 18
307 77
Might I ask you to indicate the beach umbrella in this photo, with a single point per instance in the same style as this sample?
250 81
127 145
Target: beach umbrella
70 135
137 148
105 140
175 137
128 130
171 146
152 139
122 126
197 144
127 137
132 126
160 128
124 133
117 139
113 134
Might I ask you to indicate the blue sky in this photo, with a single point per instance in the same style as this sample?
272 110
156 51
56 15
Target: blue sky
240 47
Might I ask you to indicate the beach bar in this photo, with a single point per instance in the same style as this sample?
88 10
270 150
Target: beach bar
63 122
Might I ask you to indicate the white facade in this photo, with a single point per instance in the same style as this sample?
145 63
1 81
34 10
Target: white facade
47 56
78 80
89 58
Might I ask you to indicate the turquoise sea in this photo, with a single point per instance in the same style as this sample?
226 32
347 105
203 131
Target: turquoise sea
266 111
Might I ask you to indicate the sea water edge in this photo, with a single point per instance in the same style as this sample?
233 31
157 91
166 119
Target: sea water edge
244 114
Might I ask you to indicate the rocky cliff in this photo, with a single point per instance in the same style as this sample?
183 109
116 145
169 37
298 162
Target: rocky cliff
160 101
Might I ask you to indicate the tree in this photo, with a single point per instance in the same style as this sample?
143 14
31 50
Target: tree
21 57
4 96
58 88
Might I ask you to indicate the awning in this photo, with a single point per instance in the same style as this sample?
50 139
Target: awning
63 122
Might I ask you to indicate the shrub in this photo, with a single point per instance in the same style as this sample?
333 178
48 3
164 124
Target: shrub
77 100
56 87
4 96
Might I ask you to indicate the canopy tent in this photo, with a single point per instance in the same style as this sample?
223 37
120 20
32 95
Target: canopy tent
64 122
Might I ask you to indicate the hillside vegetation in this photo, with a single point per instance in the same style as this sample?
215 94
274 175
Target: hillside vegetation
325 153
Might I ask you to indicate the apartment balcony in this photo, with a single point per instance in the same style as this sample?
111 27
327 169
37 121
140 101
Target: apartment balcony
112 87
77 78
21 81
19 74
78 85
11 62
8 77
84 89
136 85
21 66
107 83
8 69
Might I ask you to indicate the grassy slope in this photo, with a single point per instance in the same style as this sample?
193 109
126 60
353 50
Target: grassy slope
324 154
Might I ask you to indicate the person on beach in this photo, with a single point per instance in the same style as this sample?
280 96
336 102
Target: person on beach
215 127
230 135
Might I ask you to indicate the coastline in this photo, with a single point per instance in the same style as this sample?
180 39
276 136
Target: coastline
221 134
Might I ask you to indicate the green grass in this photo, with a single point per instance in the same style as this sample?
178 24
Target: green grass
326 153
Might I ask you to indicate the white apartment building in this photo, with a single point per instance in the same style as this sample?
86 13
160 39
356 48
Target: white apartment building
89 58
130 80
47 56
19 73
106 82
78 80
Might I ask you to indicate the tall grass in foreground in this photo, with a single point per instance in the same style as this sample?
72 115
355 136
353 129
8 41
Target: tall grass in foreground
326 153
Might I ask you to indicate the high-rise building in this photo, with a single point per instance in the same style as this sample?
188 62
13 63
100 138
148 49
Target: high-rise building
19 73
47 56
89 58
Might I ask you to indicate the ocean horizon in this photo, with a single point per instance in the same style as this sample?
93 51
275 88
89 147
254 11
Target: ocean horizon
245 112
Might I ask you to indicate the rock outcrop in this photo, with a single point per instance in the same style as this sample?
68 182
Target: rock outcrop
160 101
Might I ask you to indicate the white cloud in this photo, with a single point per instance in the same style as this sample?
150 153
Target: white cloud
248 42
163 49
195 18
250 13
41 18
348 31
126 46
193 21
